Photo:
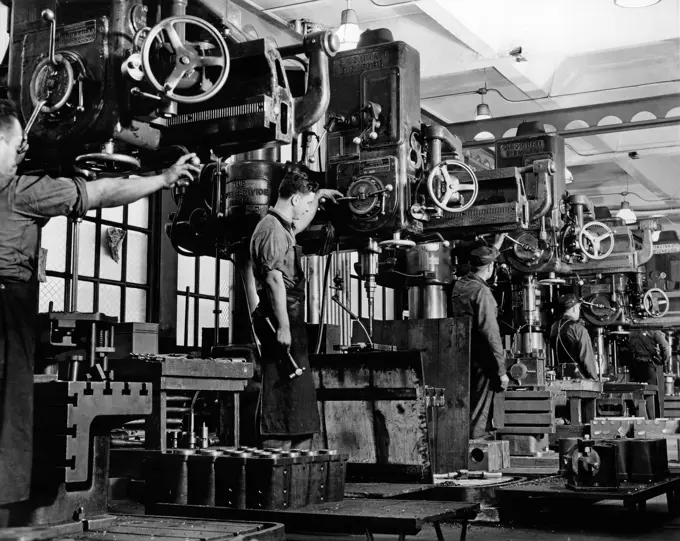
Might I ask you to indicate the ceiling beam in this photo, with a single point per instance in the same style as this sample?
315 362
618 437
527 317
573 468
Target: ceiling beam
437 10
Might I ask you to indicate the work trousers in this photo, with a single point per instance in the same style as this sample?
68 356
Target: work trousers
18 302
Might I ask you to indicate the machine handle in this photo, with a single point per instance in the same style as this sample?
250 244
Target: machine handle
49 17
297 371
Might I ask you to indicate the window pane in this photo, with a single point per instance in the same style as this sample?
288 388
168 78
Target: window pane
224 316
138 213
135 304
52 291
92 213
137 245
206 317
186 272
109 300
87 248
181 308
114 214
206 283
54 241
108 268
85 296
389 303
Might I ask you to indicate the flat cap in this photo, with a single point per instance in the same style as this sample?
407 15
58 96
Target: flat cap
483 255
568 300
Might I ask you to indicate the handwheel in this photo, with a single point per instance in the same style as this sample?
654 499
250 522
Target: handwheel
52 83
397 243
452 186
591 244
653 301
188 59
110 164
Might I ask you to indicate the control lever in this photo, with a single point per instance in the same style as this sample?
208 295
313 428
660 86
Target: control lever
34 116
332 121
374 110
49 17
597 305
364 196
297 371
522 245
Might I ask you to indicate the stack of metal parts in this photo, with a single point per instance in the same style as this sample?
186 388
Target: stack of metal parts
246 477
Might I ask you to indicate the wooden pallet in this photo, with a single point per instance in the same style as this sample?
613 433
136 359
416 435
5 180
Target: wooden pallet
671 407
526 412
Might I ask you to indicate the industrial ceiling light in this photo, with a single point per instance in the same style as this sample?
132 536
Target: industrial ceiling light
349 31
656 235
635 3
626 213
483 112
568 176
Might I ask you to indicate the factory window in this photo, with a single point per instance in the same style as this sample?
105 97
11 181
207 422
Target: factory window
196 282
113 262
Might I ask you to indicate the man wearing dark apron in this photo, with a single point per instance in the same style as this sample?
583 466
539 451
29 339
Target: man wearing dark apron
287 413
650 352
473 298
27 203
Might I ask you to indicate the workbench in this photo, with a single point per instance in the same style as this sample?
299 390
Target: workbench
147 528
352 517
520 499
170 373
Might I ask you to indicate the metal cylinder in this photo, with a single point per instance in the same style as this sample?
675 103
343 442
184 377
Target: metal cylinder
532 341
427 302
669 384
201 477
314 288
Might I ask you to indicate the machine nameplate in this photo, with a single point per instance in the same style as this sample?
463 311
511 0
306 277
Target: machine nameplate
597 288
521 148
670 248
358 63
73 35
373 167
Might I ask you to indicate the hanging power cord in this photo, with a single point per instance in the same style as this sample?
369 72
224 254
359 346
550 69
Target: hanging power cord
336 299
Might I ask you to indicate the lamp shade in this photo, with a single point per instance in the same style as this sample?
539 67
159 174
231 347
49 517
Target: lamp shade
656 235
349 31
483 112
626 213
636 3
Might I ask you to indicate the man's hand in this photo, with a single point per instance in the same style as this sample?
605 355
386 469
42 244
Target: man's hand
498 240
326 193
283 337
504 381
180 174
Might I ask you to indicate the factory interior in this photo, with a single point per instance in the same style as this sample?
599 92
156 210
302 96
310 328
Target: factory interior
339 270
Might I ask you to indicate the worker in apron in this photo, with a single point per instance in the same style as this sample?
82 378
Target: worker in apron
472 297
287 412
650 351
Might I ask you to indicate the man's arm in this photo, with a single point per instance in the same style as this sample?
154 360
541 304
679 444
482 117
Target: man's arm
487 326
663 346
585 351
114 192
303 223
276 290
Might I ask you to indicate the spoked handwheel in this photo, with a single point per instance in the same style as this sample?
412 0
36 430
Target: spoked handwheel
445 189
189 59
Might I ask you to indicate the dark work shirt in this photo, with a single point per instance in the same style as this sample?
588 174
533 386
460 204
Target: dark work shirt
26 204
272 247
649 346
572 344
472 297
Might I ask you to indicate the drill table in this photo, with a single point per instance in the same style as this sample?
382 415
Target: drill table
354 517
634 496
147 528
